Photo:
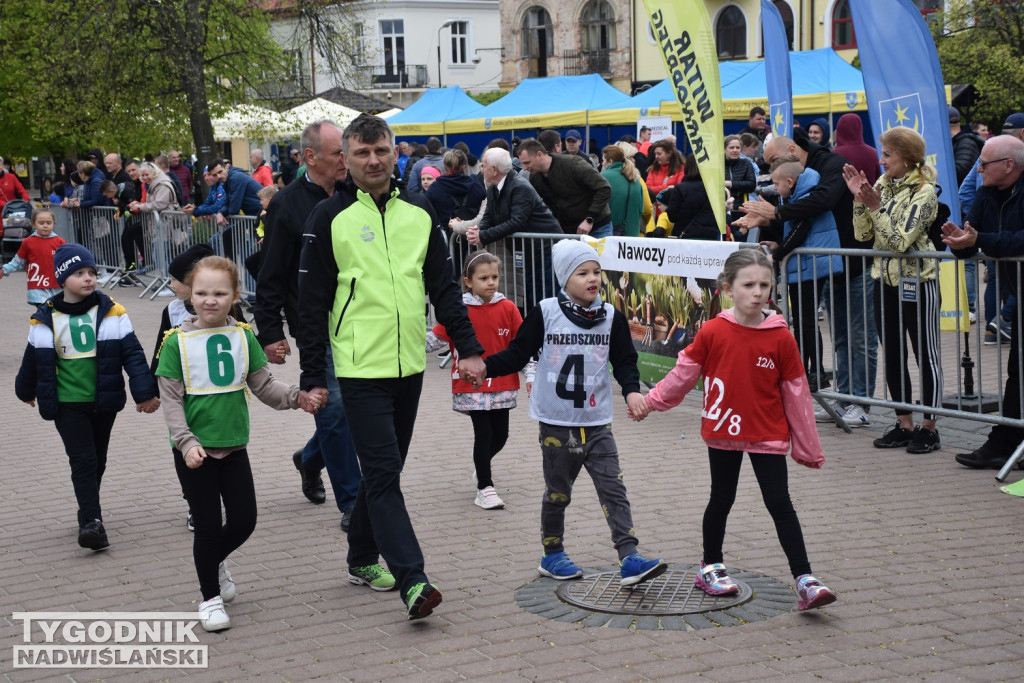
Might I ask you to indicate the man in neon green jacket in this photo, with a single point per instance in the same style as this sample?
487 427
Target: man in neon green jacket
372 251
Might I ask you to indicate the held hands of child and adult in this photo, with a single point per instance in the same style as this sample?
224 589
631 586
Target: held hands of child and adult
278 352
956 238
473 370
861 188
311 401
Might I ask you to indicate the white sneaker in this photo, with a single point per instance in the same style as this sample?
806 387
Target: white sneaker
212 615
854 417
821 415
227 584
487 498
973 316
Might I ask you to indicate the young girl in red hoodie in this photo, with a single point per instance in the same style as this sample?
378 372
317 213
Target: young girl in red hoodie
756 399
496 321
35 255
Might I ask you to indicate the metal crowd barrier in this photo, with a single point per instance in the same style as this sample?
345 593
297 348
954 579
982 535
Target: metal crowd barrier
165 235
526 273
973 372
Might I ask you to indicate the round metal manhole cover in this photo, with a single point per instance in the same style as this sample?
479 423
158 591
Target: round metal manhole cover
671 593
669 603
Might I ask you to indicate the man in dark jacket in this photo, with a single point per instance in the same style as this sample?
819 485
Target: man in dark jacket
575 192
277 292
373 237
115 171
856 342
514 206
757 125
966 146
995 226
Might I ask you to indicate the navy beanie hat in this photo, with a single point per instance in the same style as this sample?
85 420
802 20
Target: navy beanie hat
183 262
69 258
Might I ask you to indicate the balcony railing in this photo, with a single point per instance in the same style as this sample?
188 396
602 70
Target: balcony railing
407 76
583 62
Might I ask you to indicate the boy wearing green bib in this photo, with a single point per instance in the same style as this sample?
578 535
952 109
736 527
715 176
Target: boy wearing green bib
78 343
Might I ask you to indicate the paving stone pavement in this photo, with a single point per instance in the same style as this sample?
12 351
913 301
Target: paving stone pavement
923 554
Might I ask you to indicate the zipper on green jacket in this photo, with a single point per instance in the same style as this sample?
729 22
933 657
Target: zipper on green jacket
351 298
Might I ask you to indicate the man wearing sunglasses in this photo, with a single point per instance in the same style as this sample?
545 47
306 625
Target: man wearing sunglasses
995 225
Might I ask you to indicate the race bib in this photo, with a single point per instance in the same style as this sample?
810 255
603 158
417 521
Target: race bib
214 361
75 335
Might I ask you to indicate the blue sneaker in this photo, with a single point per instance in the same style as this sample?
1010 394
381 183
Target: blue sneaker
636 569
559 566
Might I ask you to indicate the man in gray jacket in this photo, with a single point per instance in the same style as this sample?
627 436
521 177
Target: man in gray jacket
513 206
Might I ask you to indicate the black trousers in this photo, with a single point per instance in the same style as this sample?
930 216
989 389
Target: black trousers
86 435
381 414
490 432
229 480
773 478
803 298
132 242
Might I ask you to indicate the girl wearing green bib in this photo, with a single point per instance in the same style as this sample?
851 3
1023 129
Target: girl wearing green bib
204 368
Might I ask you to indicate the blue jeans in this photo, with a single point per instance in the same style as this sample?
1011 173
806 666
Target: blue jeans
994 299
971 280
331 445
855 340
602 231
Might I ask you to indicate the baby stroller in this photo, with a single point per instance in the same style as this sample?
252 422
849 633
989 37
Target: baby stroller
17 216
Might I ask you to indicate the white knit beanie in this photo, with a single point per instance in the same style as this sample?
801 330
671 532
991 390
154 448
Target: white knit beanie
567 255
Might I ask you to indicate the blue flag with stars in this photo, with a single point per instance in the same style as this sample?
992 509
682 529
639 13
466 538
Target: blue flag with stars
903 82
776 70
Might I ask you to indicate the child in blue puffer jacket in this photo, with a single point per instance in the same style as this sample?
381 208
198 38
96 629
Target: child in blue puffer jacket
78 342
805 274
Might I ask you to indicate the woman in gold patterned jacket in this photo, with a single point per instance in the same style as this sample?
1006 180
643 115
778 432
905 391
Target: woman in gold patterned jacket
897 213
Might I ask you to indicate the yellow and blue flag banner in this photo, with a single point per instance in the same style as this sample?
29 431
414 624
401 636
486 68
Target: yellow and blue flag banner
777 74
954 315
692 62
903 82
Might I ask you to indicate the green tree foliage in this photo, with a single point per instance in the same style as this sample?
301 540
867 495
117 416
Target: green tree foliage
136 75
486 98
982 43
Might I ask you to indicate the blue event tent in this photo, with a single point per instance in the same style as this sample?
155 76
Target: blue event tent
427 116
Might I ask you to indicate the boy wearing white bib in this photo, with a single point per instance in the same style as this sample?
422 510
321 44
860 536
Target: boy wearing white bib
78 343
575 337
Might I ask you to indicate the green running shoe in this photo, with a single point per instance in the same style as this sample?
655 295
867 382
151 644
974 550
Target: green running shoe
421 600
374 576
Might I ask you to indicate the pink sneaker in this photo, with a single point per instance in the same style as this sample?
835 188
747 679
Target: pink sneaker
713 580
813 593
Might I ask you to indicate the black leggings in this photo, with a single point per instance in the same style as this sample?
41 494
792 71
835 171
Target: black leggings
230 479
773 478
896 320
490 432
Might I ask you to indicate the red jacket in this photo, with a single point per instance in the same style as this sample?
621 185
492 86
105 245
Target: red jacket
658 179
11 188
756 397
37 252
263 175
495 324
